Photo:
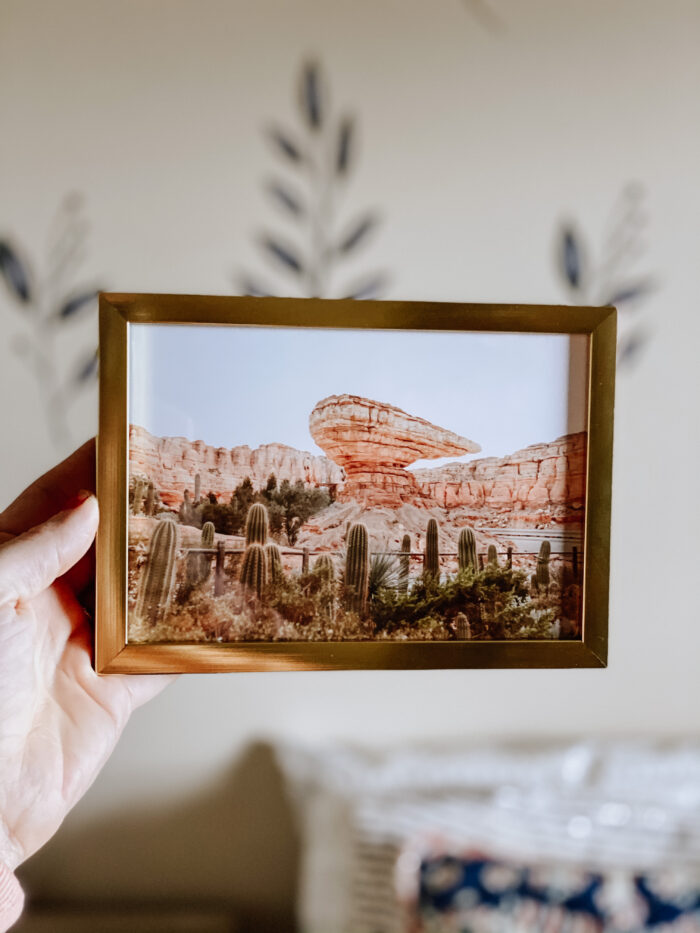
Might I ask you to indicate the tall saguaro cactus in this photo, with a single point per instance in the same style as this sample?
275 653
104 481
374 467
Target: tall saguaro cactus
431 558
254 571
256 525
466 550
198 565
324 567
274 562
542 572
404 564
357 567
197 489
157 581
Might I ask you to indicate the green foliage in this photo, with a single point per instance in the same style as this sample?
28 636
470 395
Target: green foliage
492 556
383 575
256 525
404 564
254 570
357 568
157 580
543 565
288 506
466 548
495 601
274 562
431 558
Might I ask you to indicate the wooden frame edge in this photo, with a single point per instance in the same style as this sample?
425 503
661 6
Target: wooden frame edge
113 653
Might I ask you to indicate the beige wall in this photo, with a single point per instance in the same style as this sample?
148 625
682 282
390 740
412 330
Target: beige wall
476 140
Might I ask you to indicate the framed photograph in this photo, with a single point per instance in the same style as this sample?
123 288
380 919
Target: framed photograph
293 484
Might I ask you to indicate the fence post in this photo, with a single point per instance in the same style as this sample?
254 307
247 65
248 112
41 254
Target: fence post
481 561
305 560
219 571
509 558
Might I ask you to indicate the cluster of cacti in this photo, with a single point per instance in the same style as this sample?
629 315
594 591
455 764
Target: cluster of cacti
357 567
542 572
157 580
404 564
274 562
466 550
256 525
431 557
492 556
462 627
254 570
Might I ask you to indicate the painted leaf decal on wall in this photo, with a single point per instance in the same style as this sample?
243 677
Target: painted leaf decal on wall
371 287
81 301
14 273
286 198
311 95
357 232
285 145
87 368
285 254
345 142
571 257
628 293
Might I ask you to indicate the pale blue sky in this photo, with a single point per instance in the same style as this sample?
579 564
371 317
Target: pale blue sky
255 385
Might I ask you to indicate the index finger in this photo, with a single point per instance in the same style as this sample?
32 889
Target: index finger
51 492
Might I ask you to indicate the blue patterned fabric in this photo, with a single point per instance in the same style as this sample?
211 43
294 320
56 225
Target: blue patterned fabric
479 894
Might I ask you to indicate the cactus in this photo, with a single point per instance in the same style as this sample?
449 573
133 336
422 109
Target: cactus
509 558
542 572
534 589
138 496
481 562
157 580
208 532
404 564
256 525
197 565
466 549
325 568
462 627
197 488
150 504
357 567
274 562
254 571
492 556
186 513
431 557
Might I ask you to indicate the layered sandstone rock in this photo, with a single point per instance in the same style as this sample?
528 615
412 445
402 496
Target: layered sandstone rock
374 443
172 463
542 476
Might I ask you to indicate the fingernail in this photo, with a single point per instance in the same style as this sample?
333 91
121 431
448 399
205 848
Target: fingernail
78 499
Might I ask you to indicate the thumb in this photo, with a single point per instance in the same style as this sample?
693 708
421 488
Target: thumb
31 562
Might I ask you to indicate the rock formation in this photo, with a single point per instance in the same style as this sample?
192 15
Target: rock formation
172 463
543 476
374 443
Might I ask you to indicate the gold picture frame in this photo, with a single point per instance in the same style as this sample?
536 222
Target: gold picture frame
113 651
